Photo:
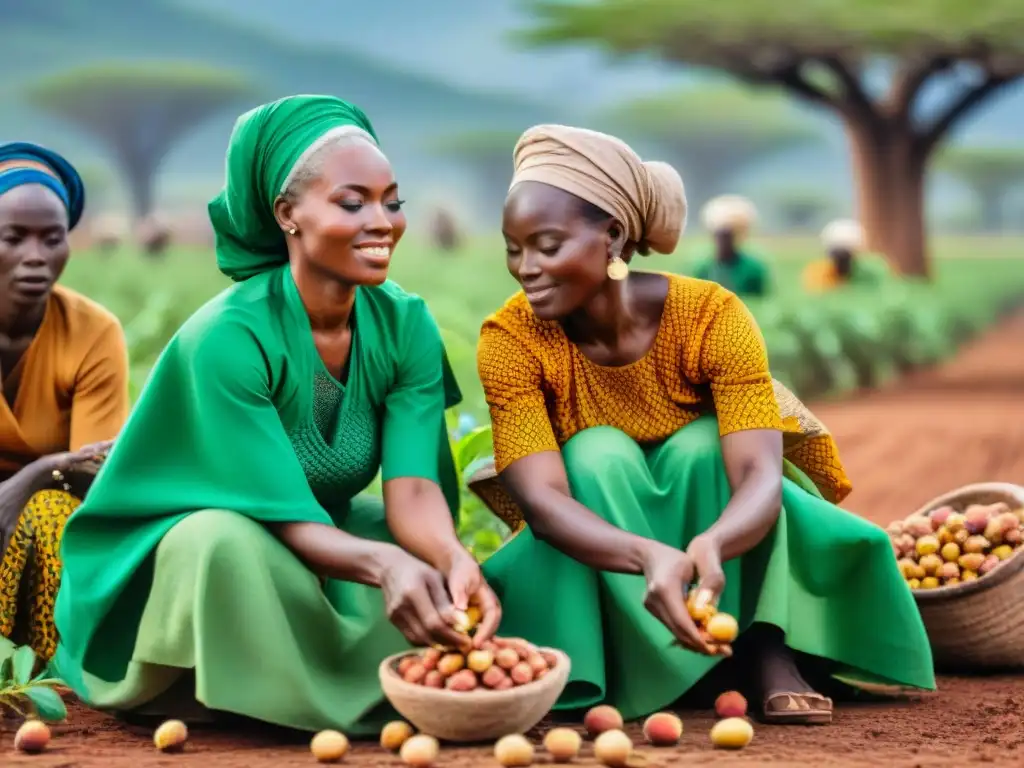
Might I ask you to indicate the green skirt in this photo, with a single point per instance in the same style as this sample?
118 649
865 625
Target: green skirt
235 623
826 577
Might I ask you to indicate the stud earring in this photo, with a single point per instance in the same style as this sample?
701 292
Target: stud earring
618 269
292 231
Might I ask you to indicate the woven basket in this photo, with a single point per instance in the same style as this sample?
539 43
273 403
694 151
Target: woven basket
977 624
471 716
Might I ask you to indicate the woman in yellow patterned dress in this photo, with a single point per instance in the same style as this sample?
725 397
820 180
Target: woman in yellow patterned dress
638 431
64 379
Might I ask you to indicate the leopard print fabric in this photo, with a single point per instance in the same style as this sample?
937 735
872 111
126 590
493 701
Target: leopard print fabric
30 572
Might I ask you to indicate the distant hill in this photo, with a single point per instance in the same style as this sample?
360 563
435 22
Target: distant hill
50 35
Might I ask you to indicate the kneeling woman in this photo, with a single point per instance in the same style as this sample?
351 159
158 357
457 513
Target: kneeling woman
226 558
638 429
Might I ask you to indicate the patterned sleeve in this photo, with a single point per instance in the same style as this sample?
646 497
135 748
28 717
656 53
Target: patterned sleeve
734 361
511 378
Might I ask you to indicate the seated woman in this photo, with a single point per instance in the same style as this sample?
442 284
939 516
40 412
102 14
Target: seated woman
63 387
639 433
845 262
733 264
226 560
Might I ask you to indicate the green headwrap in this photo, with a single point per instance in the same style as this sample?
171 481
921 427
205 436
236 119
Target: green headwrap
264 147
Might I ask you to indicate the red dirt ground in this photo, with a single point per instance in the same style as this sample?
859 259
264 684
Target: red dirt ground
961 423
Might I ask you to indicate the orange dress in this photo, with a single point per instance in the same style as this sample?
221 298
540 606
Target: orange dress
71 390
708 356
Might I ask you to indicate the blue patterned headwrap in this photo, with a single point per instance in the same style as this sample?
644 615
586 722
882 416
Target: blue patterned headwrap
20 163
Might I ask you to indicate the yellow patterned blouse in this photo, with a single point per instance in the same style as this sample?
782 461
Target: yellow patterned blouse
708 355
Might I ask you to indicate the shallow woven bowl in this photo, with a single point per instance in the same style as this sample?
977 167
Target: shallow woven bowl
470 716
979 624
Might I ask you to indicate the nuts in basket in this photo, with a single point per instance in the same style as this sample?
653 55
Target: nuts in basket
947 546
499 665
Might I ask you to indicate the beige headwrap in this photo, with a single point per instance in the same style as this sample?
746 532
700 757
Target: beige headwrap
647 198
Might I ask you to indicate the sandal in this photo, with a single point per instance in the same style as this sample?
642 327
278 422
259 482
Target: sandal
797 709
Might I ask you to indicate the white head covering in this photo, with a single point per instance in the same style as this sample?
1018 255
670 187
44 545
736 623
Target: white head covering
729 213
844 235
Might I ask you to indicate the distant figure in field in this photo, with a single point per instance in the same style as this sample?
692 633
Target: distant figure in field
63 388
445 231
846 261
730 218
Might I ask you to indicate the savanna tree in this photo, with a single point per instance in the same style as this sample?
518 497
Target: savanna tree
712 132
990 172
139 111
487 155
872 63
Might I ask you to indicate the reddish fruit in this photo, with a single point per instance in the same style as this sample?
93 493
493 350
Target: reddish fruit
663 729
731 704
32 737
602 718
522 673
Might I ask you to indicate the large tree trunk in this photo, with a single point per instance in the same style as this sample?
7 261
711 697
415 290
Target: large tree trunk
889 173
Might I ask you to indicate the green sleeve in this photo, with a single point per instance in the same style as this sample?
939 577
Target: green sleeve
204 434
207 434
414 426
703 270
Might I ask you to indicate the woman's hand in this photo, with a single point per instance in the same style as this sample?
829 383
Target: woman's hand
87 460
417 602
669 573
707 559
467 587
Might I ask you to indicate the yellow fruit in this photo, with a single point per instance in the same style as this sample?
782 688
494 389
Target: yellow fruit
914 583
563 744
723 628
930 564
329 746
732 733
968 575
513 751
480 661
420 751
395 734
1003 551
929 582
927 545
170 736
950 552
613 748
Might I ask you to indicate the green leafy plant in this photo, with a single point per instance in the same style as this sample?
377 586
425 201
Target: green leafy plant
481 531
25 691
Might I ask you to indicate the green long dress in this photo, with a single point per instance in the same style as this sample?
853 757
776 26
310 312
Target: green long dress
169 569
641 444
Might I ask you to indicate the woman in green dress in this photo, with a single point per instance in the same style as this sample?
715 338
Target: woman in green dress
640 435
226 560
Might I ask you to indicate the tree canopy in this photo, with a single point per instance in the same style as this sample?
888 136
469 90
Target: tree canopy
138 110
869 61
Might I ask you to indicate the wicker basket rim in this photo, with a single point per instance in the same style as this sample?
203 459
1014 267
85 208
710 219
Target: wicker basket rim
388 667
998 575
